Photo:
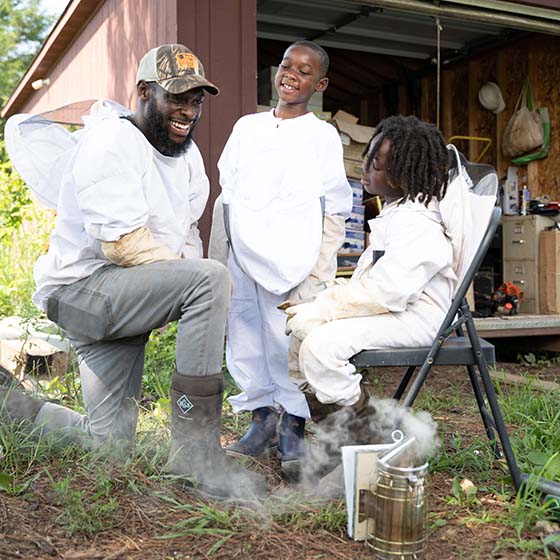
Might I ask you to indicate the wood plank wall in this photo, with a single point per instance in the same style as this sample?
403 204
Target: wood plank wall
223 34
537 56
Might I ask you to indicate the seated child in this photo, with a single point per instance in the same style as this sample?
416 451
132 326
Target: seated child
404 281
285 199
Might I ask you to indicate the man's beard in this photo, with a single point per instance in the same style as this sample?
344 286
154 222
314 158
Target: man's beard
160 135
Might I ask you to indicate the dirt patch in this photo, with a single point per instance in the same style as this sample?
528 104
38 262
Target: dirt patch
30 525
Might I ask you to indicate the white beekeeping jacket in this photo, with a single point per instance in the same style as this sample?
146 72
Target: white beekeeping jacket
278 176
111 181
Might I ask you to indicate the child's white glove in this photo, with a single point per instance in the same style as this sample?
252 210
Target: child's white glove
218 246
324 271
354 299
304 317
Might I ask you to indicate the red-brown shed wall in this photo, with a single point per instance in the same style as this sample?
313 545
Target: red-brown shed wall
223 33
102 61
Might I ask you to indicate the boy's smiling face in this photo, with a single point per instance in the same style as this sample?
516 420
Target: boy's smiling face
299 75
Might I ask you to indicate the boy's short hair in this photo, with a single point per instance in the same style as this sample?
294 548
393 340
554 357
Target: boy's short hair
324 64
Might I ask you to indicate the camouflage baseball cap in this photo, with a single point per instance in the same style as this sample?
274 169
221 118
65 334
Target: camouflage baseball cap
175 68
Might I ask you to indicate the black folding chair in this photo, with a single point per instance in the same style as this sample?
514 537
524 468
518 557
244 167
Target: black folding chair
460 350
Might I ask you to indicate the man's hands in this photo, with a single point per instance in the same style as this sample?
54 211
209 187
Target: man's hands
135 248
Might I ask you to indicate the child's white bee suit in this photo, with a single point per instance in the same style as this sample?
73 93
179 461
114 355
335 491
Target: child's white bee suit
283 182
401 289
397 297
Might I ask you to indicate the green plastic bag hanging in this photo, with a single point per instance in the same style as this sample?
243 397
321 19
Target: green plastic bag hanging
543 152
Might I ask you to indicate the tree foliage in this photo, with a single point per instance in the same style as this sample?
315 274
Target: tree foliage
23 27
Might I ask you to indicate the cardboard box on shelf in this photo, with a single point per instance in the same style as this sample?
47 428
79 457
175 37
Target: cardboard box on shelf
341 115
354 137
346 263
354 241
357 192
549 272
357 218
353 168
323 115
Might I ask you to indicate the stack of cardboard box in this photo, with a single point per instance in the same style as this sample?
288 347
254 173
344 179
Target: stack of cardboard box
354 138
549 271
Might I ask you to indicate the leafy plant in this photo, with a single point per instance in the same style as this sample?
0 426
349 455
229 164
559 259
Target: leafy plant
24 232
463 493
159 363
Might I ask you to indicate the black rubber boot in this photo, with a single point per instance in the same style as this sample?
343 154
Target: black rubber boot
196 453
260 437
346 425
16 406
291 445
319 411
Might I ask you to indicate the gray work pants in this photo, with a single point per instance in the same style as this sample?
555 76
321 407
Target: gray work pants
108 317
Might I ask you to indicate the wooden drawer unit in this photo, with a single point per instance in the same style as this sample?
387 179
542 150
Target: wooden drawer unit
520 246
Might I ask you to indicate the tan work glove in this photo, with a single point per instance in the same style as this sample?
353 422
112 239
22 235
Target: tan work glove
218 246
354 299
135 248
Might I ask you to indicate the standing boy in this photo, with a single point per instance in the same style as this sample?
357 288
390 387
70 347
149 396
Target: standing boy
285 199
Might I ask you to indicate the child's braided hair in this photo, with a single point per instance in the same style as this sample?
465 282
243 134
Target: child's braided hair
417 157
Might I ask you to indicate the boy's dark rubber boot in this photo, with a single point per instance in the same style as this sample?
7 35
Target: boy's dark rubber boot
261 436
196 454
291 445
16 406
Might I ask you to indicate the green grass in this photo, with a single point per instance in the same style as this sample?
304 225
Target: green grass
91 492
22 241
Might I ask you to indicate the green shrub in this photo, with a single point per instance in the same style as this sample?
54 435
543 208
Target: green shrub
24 232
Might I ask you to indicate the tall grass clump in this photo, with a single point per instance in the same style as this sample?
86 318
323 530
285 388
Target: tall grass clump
535 437
24 233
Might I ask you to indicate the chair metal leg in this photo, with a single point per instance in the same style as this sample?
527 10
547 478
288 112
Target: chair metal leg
494 405
417 383
487 419
404 382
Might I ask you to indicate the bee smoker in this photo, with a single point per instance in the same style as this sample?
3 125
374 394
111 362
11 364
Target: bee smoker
399 507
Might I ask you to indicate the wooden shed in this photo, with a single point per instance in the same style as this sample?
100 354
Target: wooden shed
421 57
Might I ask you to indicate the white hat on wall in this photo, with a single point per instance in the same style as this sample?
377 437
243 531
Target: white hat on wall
490 97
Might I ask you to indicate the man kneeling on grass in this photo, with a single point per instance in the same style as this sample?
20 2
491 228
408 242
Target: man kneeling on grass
124 259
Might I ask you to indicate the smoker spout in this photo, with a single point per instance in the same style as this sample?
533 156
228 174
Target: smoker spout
386 458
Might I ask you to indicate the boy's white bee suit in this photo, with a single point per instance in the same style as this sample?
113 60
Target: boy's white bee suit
285 198
400 291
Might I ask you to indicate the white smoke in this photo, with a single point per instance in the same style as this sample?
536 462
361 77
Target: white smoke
375 425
